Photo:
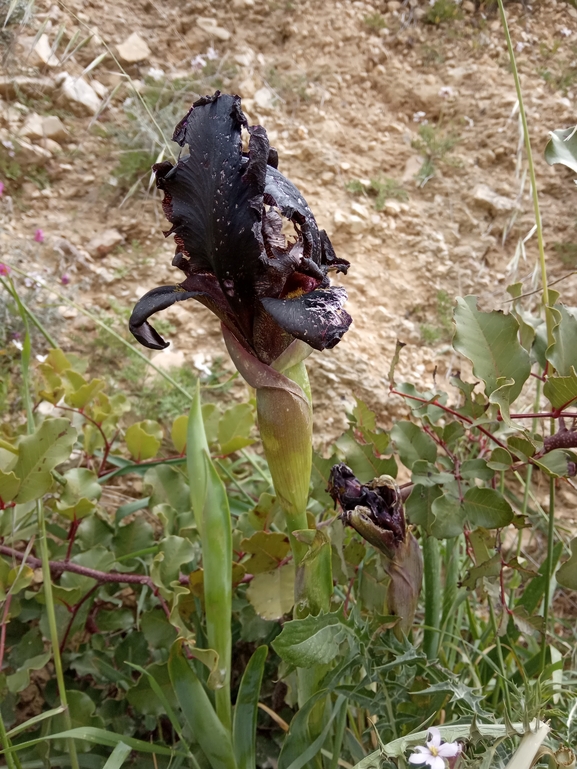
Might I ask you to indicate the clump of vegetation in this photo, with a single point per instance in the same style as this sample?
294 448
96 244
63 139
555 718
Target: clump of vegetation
379 189
442 11
375 22
567 253
442 330
434 143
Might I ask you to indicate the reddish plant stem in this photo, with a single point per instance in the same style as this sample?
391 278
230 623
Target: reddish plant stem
107 448
3 625
57 568
74 611
75 523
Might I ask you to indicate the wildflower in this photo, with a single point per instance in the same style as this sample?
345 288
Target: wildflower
226 209
1 189
4 269
39 236
155 73
65 279
17 344
565 31
211 54
433 754
201 363
198 63
418 116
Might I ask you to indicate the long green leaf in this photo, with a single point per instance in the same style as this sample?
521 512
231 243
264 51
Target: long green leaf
246 709
35 720
310 752
118 756
100 737
214 740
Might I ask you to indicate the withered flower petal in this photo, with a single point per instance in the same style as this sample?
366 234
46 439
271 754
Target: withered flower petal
226 208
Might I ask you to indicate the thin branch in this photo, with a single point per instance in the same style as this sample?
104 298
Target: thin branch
57 568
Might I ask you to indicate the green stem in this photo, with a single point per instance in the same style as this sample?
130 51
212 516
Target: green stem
548 572
5 742
532 176
433 593
212 514
452 564
504 679
338 738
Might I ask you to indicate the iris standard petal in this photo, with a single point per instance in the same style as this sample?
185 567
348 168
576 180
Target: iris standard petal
317 318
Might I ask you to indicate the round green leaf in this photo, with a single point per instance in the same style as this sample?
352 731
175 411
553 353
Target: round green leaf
39 454
487 508
141 442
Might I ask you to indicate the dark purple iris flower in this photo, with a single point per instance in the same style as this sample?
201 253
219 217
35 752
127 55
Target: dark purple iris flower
226 208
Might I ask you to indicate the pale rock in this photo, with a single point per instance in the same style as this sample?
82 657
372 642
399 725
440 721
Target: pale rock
104 242
412 168
246 58
32 127
394 5
487 198
101 90
339 218
54 128
360 210
327 177
79 93
392 207
167 360
50 145
133 49
210 26
42 52
29 86
468 6
68 313
264 99
356 225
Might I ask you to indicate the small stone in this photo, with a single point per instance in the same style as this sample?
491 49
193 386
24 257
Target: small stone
394 5
327 177
355 224
100 89
360 210
104 243
133 49
42 52
468 6
12 87
79 93
209 25
264 99
68 313
32 127
166 360
54 128
392 207
412 168
487 198
245 59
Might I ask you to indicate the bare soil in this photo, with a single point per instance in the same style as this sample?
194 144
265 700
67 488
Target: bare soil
342 89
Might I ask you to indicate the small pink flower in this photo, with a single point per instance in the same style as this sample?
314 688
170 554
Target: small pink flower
4 269
1 189
39 236
65 279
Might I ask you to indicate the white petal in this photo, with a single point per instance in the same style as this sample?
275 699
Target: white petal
423 749
435 737
419 758
449 749
436 762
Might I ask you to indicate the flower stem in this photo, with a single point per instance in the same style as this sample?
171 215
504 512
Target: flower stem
432 563
548 573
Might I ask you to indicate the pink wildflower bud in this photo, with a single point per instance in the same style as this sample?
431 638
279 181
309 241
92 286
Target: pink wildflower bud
65 279
4 269
39 236
1 189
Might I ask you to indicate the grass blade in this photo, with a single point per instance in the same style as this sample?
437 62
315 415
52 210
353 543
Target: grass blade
35 720
118 756
214 740
246 710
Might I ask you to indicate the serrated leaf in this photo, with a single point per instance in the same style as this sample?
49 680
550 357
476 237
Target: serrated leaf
9 485
39 454
142 443
413 444
567 572
562 148
272 593
234 428
487 508
490 341
562 354
178 433
311 641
